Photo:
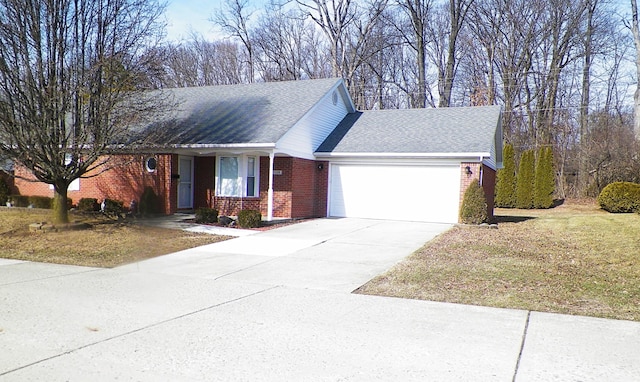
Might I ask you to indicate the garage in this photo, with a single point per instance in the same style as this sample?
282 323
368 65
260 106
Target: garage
419 192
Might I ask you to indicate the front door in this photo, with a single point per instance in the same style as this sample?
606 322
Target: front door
185 184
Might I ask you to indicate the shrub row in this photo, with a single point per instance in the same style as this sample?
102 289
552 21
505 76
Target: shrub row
33 201
620 197
530 186
246 218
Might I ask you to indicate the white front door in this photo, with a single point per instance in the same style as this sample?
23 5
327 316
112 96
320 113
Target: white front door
394 191
185 183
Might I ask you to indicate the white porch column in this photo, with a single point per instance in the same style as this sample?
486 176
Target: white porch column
270 191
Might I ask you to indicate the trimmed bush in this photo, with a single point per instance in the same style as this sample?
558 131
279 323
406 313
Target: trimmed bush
4 191
506 179
620 197
88 205
41 202
474 205
249 218
113 207
19 200
525 180
206 215
545 180
149 202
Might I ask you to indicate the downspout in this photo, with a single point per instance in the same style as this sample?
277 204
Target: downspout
270 191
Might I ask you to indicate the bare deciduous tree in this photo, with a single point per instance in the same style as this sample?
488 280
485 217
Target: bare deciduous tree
233 19
69 75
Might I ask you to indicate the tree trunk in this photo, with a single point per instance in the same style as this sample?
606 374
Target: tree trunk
636 96
583 170
60 212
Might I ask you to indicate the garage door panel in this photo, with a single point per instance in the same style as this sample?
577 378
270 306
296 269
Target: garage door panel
419 193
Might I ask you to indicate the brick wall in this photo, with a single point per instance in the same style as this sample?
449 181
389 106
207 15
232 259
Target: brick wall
125 181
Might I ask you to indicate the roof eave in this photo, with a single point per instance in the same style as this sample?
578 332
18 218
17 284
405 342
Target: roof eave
476 156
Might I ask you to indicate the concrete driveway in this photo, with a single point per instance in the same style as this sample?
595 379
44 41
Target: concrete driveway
276 306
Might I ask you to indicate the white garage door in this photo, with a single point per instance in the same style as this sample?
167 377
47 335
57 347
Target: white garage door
397 192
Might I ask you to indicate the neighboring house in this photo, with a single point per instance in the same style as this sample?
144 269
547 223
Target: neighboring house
300 149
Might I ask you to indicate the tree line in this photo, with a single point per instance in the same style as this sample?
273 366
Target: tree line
560 68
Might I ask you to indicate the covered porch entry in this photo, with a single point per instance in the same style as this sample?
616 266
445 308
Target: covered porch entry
276 184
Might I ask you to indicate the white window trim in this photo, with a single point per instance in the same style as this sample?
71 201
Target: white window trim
243 162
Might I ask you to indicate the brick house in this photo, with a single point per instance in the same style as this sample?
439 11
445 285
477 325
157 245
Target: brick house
298 149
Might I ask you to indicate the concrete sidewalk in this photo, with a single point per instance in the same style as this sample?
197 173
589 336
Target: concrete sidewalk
276 306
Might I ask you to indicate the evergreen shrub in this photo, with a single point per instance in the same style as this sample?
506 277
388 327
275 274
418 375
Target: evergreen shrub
19 200
545 181
41 202
474 205
113 207
149 202
88 205
4 191
620 197
506 179
206 215
525 180
249 218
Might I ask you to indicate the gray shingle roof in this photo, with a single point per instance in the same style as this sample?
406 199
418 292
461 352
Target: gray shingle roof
240 114
441 130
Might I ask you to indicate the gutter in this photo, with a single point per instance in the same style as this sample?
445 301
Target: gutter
403 155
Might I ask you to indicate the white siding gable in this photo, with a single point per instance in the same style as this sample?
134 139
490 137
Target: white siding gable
310 131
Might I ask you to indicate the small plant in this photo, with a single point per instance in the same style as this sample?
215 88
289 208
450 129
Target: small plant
474 205
112 207
148 202
88 205
4 191
249 218
620 197
41 202
206 215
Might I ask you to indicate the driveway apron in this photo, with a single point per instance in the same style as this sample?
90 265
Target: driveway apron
276 306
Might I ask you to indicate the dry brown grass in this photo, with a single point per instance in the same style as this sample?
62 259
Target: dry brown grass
108 243
573 259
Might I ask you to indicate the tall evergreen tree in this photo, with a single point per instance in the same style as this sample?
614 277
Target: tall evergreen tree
506 179
544 179
525 180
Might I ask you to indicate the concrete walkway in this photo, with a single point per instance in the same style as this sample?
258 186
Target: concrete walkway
276 306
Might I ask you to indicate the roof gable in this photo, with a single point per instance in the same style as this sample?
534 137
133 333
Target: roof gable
445 131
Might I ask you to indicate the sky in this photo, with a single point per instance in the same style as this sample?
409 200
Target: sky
184 16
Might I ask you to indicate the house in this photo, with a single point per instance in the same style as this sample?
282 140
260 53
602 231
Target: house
299 149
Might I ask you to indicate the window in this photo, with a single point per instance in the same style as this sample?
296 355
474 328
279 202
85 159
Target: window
237 176
151 164
251 176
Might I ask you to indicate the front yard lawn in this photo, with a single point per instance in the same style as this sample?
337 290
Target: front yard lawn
573 259
108 243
